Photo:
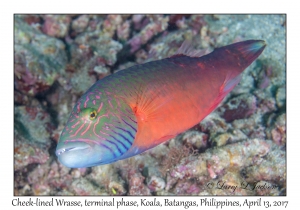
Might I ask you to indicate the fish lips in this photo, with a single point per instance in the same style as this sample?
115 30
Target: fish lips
83 153
74 154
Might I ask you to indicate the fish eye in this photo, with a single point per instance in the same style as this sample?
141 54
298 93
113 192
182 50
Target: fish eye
93 115
88 114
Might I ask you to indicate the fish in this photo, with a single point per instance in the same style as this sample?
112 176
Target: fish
138 108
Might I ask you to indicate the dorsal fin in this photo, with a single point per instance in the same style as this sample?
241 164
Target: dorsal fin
187 49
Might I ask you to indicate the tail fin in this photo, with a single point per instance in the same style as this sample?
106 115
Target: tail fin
248 50
234 59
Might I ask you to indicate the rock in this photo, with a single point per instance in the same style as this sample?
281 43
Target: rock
39 59
239 107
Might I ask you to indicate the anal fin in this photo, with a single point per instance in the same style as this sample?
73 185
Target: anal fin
229 84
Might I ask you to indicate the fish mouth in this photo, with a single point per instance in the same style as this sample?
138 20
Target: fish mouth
74 154
82 153
71 147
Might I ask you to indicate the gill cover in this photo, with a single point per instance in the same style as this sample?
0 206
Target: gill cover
100 129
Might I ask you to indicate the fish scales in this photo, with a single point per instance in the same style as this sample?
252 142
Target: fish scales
138 108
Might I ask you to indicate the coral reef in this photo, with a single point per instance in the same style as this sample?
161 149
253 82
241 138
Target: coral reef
157 24
56 25
215 163
239 149
80 23
39 59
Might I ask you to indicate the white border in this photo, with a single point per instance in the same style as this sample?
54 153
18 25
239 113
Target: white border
153 6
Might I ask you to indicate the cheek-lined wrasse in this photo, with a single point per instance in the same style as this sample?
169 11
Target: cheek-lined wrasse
136 109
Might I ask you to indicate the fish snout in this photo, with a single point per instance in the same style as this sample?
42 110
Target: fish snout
73 154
